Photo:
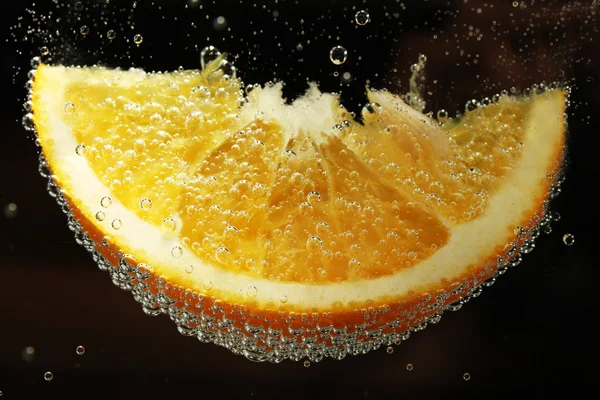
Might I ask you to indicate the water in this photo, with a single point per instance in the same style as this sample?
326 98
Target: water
357 337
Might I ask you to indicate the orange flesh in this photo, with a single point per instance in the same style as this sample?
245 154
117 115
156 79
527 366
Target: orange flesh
315 207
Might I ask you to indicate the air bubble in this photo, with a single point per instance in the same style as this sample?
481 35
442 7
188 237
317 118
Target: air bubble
84 30
168 225
231 232
111 35
442 115
44 51
176 252
283 299
322 228
306 363
105 201
116 224
314 244
80 350
145 204
208 54
371 111
100 216
471 105
409 367
222 255
80 150
313 197
354 208
338 55
219 23
362 17
390 350
189 268
48 376
69 108
568 239
208 285
138 39
466 376
252 292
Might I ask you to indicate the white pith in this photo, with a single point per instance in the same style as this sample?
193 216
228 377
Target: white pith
469 244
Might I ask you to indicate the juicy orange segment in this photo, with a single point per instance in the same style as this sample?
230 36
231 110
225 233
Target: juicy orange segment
296 207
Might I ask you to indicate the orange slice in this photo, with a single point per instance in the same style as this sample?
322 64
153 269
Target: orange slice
291 230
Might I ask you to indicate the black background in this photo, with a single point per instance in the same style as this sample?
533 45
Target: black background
531 335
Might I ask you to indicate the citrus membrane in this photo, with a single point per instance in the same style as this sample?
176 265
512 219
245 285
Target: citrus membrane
280 223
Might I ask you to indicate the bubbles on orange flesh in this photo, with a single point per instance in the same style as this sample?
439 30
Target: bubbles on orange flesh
386 191
290 201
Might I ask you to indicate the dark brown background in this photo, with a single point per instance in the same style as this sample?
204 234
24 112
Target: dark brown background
529 336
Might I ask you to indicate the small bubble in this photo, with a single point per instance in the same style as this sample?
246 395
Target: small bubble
28 354
322 228
283 299
145 204
219 23
390 350
338 55
84 30
80 149
189 268
79 6
44 51
69 108
568 239
314 244
116 224
471 105
208 285
176 252
111 35
362 17
409 367
100 216
515 4
222 255
105 202
208 54
168 225
80 350
466 376
313 197
371 111
442 115
10 210
138 39
231 232
354 207
306 363
252 292
48 376
288 154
